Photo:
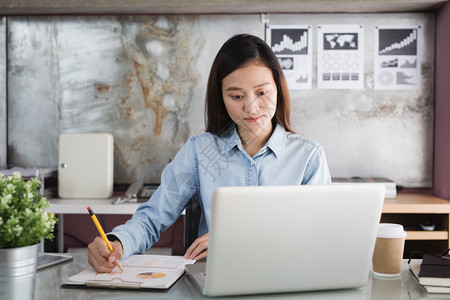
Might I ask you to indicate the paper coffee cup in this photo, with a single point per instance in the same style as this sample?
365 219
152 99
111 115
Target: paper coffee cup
388 252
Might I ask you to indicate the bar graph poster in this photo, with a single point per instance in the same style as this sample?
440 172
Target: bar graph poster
397 58
340 56
293 47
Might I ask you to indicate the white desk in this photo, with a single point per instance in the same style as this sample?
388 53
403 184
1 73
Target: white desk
100 206
79 206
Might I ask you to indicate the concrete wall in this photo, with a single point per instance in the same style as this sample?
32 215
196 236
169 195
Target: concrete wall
368 132
143 78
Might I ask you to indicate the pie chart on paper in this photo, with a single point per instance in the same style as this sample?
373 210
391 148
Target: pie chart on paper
149 275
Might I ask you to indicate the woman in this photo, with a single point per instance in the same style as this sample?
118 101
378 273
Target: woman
248 141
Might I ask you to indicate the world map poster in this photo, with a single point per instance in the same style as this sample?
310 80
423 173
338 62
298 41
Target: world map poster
340 57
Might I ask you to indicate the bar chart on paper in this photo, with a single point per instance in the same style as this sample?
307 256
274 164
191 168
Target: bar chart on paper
292 46
289 41
397 59
398 42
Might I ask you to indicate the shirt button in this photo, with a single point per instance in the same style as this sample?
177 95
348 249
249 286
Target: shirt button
252 163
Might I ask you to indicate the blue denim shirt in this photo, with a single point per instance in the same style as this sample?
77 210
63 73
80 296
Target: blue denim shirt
209 161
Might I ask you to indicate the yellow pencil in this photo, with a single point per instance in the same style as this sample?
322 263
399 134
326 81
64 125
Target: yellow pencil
102 233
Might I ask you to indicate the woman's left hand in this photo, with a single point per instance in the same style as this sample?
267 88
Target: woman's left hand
198 249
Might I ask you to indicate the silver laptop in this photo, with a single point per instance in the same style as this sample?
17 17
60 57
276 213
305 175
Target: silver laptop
271 239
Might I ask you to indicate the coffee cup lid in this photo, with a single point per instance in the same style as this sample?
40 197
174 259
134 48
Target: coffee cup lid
389 230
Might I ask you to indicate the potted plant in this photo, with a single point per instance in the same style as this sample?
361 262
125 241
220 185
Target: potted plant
24 222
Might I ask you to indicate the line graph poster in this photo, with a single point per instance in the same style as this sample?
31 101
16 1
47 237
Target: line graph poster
397 58
340 56
293 47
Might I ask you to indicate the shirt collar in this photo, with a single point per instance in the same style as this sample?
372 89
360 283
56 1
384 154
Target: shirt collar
231 138
276 142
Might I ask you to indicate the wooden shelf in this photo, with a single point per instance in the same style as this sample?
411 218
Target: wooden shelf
427 235
410 210
14 7
409 203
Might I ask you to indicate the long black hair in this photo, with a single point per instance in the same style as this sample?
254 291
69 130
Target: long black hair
235 53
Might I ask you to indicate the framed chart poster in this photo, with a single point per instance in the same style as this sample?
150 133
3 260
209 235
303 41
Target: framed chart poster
293 47
397 58
340 57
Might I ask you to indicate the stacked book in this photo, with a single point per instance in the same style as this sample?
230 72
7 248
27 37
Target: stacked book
391 187
433 274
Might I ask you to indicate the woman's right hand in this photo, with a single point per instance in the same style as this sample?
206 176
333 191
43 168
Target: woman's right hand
100 258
